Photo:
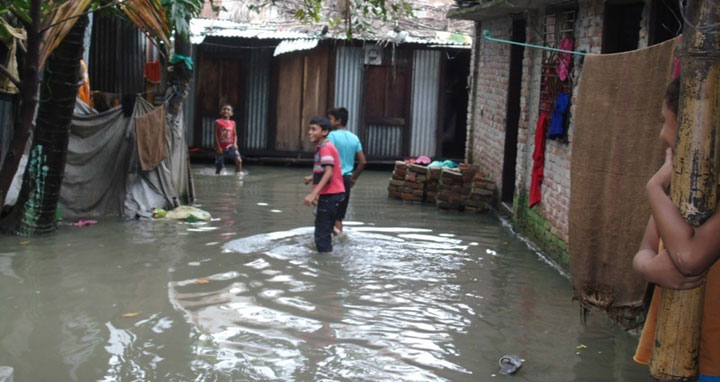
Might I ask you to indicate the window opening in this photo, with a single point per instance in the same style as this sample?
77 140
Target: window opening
558 32
621 30
665 21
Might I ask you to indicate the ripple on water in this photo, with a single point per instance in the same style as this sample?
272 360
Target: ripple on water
331 314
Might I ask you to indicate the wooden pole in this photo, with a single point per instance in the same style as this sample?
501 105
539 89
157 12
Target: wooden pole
693 188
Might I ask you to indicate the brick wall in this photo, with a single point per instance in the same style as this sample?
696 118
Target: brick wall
492 62
547 223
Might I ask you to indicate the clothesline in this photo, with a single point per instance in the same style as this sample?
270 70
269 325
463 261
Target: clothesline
486 36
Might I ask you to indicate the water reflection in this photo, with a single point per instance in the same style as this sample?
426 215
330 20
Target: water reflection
377 297
410 294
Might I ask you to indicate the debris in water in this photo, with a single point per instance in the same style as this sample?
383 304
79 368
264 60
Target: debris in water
201 281
509 364
131 314
85 223
581 346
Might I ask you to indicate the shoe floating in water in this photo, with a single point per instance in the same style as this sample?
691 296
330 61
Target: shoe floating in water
509 364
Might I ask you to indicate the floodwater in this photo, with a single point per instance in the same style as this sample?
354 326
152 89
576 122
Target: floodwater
411 293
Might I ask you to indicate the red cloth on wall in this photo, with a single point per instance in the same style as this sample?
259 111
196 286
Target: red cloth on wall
538 171
153 71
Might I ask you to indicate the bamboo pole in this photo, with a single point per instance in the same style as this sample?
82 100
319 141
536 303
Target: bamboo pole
693 188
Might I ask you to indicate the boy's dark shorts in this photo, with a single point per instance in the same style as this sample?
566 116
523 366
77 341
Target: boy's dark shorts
220 158
327 209
342 208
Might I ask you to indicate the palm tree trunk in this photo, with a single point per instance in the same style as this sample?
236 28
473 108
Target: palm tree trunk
693 189
28 97
34 212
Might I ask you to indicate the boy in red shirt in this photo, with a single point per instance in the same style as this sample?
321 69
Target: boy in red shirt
328 188
226 140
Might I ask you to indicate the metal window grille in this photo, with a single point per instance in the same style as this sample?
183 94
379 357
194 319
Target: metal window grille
558 24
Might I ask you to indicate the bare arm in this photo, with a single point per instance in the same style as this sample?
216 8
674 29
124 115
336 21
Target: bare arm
235 135
655 265
360 157
217 137
692 251
323 181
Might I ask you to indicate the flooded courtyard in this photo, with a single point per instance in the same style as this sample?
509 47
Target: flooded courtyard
411 293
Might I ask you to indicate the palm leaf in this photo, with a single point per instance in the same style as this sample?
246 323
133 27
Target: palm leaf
58 24
150 17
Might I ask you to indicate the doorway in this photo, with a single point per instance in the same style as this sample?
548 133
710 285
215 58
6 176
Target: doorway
385 124
513 112
453 131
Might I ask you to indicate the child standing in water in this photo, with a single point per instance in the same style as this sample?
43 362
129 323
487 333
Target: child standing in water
328 189
689 256
226 140
350 150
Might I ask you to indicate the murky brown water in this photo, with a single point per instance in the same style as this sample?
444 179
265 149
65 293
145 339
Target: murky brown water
410 294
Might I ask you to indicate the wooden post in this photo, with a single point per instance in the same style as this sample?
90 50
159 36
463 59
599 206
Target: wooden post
693 187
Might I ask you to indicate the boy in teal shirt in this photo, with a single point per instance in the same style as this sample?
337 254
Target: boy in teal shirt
350 150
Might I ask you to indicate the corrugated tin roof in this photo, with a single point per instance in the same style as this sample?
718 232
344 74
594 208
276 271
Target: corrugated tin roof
287 46
456 40
200 28
482 10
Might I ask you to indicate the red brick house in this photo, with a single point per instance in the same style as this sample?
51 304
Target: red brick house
506 98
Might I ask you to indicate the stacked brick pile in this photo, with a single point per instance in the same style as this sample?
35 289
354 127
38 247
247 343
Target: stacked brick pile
397 181
432 184
450 190
481 194
414 186
463 188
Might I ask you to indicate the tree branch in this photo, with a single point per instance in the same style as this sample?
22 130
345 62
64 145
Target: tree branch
13 79
114 3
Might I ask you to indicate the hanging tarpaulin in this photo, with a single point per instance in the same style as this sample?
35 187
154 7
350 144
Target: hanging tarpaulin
287 46
103 173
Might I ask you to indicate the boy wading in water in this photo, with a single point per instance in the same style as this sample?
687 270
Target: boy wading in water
328 189
226 140
350 150
688 258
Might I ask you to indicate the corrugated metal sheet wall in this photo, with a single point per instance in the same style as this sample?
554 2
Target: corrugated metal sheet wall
425 98
257 101
383 141
117 56
348 83
208 133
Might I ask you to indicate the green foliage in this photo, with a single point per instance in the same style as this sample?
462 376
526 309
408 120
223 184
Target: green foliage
360 17
179 13
12 9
